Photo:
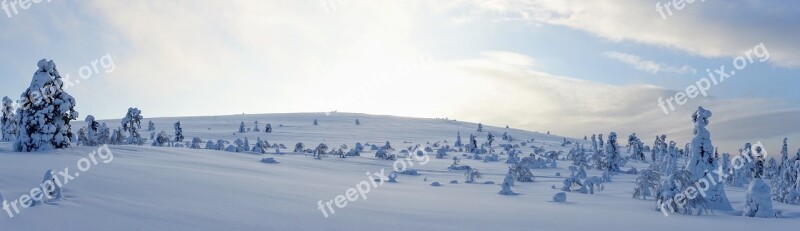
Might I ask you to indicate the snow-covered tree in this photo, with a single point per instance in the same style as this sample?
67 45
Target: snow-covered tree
51 187
647 183
745 171
132 123
670 163
260 147
178 132
268 128
521 172
358 122
316 122
151 126
490 139
82 138
757 200
508 181
594 142
299 147
242 128
103 135
670 189
8 121
256 128
600 142
613 158
92 128
480 127
471 175
702 162
45 112
458 140
196 142
162 140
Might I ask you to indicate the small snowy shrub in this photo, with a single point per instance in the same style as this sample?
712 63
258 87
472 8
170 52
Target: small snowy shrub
757 200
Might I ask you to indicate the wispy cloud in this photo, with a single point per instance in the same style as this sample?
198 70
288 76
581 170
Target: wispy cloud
709 29
648 65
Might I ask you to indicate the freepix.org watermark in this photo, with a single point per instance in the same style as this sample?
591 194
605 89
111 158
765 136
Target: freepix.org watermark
702 185
374 180
701 87
13 7
665 9
103 64
51 188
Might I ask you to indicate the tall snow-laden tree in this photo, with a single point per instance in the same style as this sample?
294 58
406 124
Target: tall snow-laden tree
702 162
151 126
256 128
613 158
178 132
92 128
480 127
646 184
242 128
594 142
45 112
103 135
132 123
458 140
8 121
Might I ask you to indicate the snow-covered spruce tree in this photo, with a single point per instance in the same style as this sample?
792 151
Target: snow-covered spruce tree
242 128
771 170
259 147
669 191
613 158
702 162
505 188
45 112
671 158
8 121
316 122
299 148
196 143
480 127
471 175
151 126
490 139
268 128
458 140
132 123
256 128
600 142
82 138
757 200
92 128
358 122
646 184
745 171
521 172
162 139
178 132
103 135
594 142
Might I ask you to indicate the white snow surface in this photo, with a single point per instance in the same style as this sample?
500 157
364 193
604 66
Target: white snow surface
166 188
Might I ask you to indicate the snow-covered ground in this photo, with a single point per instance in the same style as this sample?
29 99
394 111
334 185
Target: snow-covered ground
164 188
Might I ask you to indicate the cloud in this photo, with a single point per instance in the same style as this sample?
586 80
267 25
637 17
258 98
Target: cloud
705 28
648 65
573 107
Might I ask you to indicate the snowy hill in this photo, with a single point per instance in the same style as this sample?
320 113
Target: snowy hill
167 188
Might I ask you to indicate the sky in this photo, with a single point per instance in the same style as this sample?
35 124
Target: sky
570 67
